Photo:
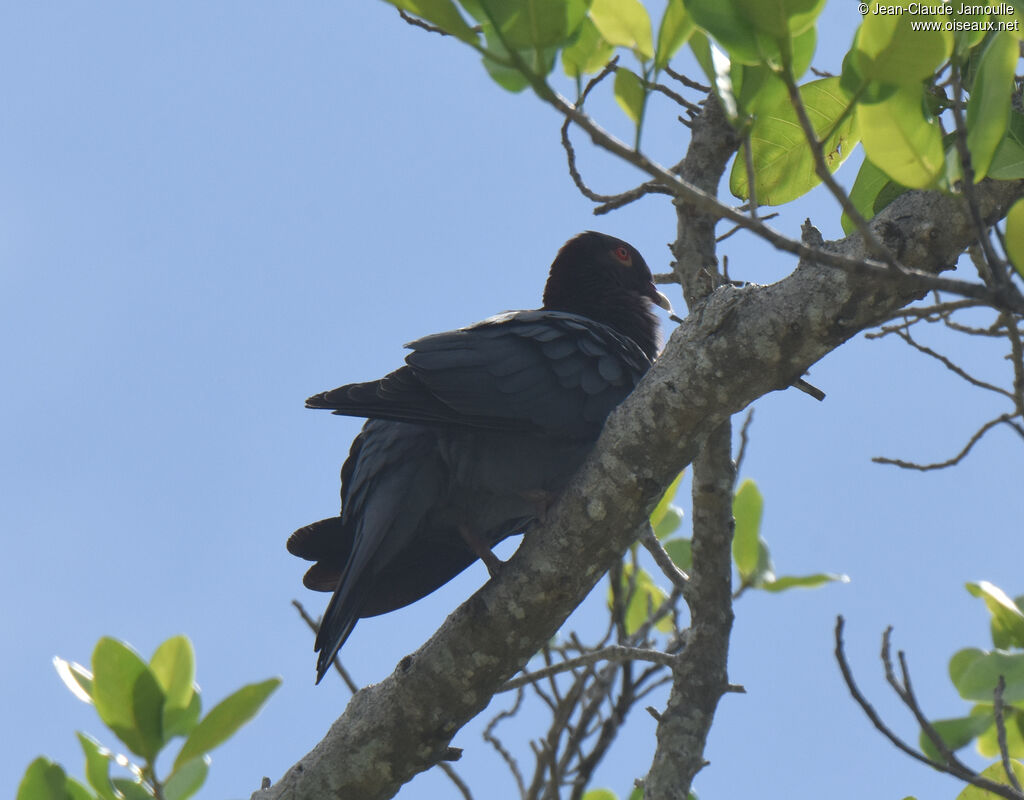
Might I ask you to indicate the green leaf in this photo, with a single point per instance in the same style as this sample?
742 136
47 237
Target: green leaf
180 722
600 794
676 27
783 161
780 19
730 27
1008 162
97 766
132 790
588 54
975 673
43 780
630 93
442 13
665 503
225 719
76 677
988 741
646 598
955 733
174 666
760 88
1007 619
669 522
872 191
187 779
988 109
747 509
526 24
1015 236
994 772
681 553
802 581
901 139
887 49
624 23
128 697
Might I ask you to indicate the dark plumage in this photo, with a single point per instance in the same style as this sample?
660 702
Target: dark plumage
470 441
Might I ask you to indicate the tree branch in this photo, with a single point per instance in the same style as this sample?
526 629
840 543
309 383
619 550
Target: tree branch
735 347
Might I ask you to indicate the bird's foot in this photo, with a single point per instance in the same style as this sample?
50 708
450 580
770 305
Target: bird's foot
482 551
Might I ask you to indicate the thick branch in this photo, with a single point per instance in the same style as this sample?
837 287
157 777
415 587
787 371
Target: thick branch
740 344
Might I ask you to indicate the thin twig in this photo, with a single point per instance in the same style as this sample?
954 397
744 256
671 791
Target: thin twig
744 438
496 743
948 364
949 462
460 784
688 82
960 772
1004 751
614 653
676 576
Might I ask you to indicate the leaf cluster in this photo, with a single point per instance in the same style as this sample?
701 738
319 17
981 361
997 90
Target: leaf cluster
146 705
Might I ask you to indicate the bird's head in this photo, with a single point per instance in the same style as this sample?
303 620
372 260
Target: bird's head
607 280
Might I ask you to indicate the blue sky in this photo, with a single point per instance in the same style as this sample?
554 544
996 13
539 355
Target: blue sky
210 212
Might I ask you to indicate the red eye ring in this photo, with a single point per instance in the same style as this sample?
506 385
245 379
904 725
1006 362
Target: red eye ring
623 255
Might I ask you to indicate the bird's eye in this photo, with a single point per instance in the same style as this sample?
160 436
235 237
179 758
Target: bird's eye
623 255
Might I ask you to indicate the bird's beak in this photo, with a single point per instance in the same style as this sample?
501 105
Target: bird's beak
659 299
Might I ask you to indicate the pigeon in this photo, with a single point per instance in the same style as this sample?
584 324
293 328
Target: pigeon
474 437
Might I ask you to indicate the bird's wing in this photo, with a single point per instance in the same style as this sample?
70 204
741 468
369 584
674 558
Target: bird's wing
540 371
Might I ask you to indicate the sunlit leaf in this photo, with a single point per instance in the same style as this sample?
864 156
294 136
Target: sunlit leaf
588 54
76 677
187 779
225 718
442 13
128 697
955 733
785 582
665 504
97 766
975 673
681 553
747 509
174 666
676 27
887 49
780 18
1008 162
624 23
901 139
783 160
988 109
1015 236
723 20
629 93
1007 619
996 773
988 740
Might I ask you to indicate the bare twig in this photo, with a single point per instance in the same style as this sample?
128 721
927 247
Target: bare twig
744 438
953 767
661 557
1004 752
460 784
949 462
688 82
496 743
